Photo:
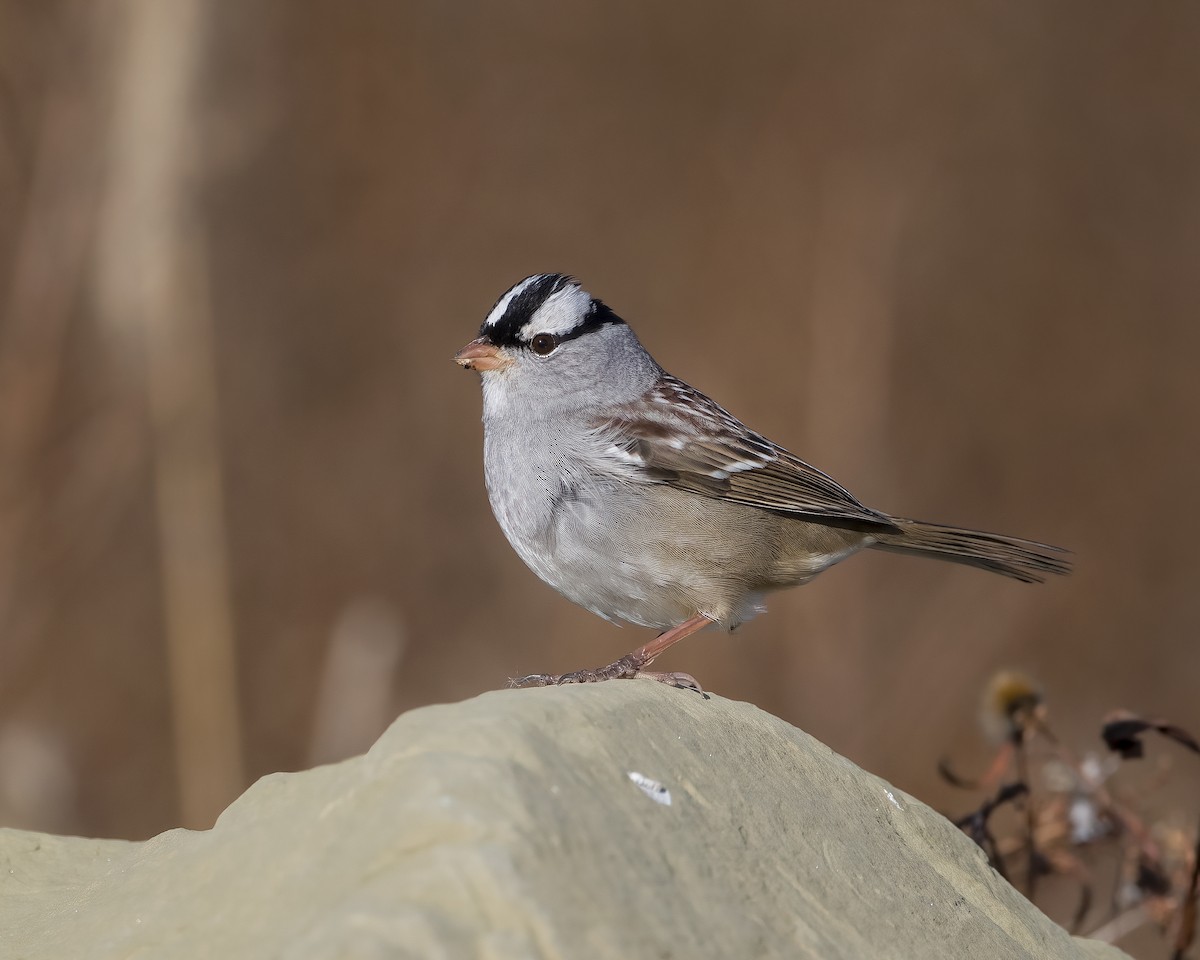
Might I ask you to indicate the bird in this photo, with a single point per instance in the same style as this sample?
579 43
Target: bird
639 498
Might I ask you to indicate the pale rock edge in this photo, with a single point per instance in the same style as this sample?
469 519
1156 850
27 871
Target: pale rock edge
509 826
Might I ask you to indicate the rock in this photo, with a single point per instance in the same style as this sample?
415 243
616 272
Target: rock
617 820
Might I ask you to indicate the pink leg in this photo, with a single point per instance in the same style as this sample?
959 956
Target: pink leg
630 665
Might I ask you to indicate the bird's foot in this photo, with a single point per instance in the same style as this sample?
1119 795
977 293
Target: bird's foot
627 668
680 681
622 669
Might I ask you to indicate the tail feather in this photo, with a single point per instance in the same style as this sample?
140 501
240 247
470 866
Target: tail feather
1025 560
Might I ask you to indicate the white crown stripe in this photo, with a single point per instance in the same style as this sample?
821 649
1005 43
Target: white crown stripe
501 306
562 312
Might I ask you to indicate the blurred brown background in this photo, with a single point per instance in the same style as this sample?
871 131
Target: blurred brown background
946 252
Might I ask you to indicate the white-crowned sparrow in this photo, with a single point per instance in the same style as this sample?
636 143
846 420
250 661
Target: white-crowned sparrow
639 498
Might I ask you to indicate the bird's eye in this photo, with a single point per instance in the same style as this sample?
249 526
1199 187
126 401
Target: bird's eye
543 343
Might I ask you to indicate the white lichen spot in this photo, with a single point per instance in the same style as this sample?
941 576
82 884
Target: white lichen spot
892 797
651 788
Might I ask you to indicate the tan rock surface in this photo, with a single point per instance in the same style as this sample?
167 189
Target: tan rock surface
509 826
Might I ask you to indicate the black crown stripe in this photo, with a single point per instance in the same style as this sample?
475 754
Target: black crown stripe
520 310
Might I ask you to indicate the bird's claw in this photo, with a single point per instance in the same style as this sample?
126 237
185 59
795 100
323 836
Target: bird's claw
680 681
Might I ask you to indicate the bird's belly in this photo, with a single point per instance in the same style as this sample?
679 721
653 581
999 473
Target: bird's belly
631 559
621 579
602 569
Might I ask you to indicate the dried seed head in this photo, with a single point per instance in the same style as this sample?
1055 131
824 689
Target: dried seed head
1012 702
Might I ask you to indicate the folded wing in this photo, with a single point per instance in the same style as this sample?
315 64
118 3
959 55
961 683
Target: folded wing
677 436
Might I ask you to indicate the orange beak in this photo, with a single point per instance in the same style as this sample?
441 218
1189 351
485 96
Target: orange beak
481 355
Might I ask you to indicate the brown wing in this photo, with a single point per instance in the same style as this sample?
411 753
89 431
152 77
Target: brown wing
677 436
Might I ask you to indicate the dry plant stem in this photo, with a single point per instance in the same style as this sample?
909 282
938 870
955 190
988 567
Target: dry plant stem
55 229
1123 733
1188 907
1068 865
1120 926
1130 821
1022 767
152 283
990 781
